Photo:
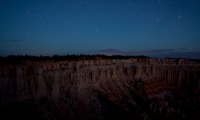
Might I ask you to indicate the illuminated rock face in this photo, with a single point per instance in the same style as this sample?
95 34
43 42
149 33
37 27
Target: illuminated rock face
102 89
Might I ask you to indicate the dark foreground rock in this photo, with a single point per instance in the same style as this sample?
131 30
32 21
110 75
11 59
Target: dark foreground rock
137 88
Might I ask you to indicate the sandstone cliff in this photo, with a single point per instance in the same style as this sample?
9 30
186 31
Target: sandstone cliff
141 88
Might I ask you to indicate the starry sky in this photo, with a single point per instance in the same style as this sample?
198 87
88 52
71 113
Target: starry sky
155 28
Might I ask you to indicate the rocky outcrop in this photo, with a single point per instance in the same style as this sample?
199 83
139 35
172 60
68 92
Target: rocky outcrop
141 88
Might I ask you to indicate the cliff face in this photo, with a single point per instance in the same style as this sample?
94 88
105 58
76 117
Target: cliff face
102 89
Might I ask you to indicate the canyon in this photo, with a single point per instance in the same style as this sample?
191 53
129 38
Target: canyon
133 88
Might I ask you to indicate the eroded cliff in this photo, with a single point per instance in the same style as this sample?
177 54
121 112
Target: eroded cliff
139 88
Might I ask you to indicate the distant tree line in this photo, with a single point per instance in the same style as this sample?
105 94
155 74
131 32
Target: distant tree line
19 58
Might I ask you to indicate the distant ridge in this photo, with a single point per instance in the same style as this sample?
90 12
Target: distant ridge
74 57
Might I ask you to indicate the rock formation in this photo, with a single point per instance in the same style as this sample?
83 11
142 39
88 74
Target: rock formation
135 88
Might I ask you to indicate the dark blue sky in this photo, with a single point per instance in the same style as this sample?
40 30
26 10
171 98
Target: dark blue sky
160 28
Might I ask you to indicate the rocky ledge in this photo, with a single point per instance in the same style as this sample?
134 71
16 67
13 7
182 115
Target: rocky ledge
134 88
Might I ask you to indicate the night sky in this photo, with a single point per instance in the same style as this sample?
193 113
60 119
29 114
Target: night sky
156 28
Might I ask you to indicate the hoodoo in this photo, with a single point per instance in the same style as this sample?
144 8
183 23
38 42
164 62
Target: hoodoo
134 88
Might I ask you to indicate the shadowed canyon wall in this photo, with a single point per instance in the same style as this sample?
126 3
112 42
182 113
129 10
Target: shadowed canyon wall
101 89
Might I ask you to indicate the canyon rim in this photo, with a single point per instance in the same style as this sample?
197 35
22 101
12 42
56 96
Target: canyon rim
101 88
